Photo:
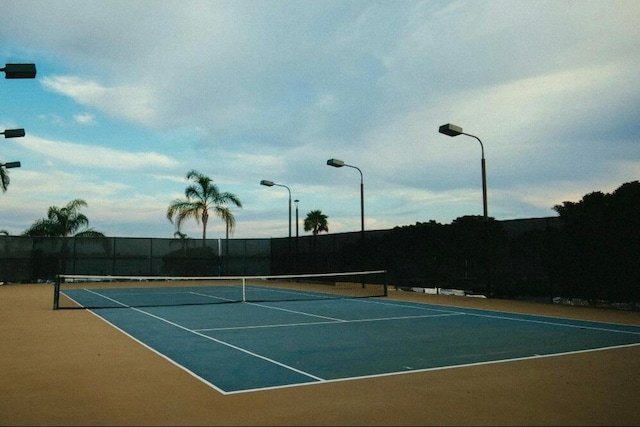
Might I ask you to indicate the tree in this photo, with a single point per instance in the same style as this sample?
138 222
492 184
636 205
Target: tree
229 221
4 179
316 222
63 222
201 196
599 246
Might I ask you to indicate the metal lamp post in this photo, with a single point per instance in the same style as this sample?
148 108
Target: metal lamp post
453 130
296 201
271 184
338 164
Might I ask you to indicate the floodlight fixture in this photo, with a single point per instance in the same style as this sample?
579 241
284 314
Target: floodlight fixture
10 165
451 130
13 133
19 71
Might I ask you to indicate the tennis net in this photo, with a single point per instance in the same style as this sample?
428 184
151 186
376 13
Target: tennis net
93 292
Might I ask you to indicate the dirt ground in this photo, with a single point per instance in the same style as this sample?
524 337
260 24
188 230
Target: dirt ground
68 367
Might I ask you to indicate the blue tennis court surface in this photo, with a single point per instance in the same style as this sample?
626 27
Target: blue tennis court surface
250 346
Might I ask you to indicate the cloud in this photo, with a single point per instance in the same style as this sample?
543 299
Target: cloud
52 118
130 102
85 118
244 91
95 157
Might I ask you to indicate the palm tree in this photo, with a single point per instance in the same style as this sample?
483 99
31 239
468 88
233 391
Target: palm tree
229 220
63 222
316 222
200 197
4 179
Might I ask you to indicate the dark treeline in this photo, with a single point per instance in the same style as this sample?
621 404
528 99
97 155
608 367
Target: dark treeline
596 253
590 251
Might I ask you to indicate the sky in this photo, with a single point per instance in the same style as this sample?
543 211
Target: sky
132 95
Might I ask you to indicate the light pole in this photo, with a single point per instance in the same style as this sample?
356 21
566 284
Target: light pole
297 223
271 184
13 133
296 201
15 71
19 71
338 164
453 130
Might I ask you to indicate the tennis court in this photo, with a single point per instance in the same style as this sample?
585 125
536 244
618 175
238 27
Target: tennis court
71 367
293 336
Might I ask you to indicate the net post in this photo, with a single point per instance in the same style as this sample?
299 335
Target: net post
386 287
244 287
56 291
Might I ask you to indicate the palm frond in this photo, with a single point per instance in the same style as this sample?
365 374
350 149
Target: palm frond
4 179
63 222
202 195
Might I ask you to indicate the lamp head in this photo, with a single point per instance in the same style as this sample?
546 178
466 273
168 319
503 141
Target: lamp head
13 133
19 71
10 165
267 183
335 163
451 130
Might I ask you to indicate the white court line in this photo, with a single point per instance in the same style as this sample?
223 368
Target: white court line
228 344
107 298
196 332
441 368
143 293
559 323
296 312
330 319
558 320
334 320
165 357
211 339
282 325
445 313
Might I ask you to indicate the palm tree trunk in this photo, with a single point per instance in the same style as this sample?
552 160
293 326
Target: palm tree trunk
205 219
204 232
